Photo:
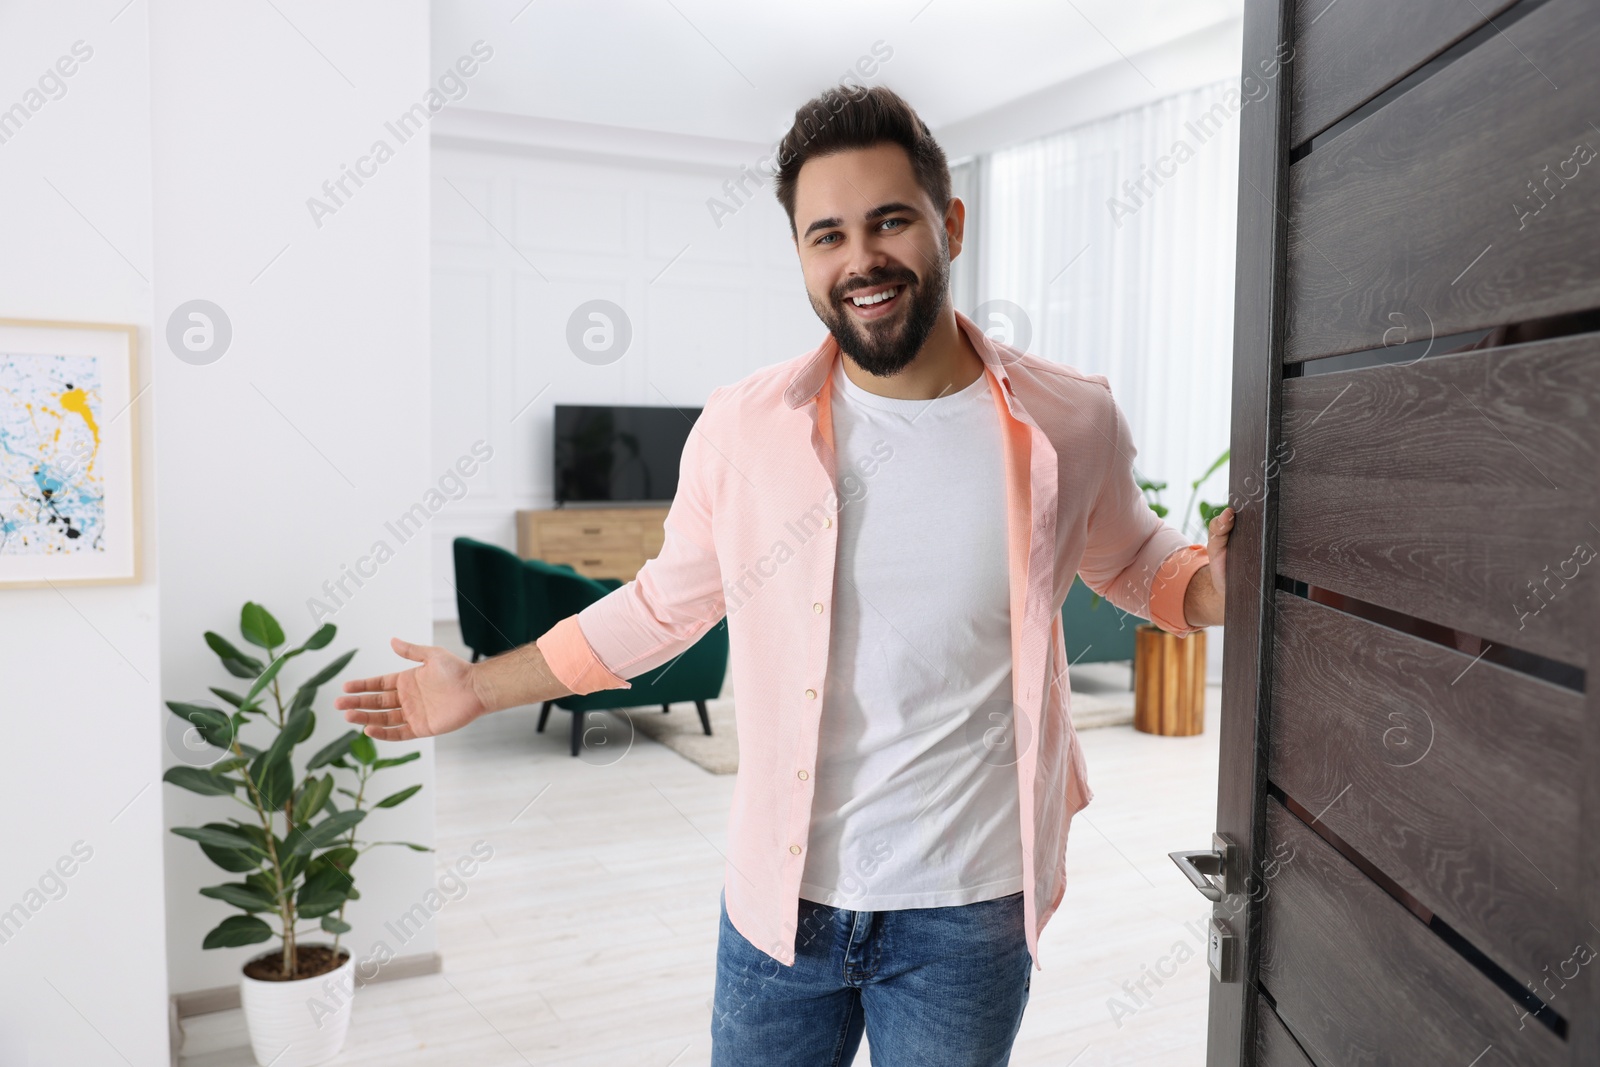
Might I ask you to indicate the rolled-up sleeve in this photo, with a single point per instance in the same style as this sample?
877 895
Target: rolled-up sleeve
674 600
1133 558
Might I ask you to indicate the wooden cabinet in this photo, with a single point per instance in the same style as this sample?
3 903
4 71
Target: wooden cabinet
596 542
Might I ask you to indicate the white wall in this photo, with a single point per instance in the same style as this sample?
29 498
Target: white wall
533 219
281 461
84 980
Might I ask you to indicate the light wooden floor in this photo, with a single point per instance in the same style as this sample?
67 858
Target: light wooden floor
589 937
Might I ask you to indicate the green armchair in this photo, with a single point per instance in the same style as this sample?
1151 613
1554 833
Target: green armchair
505 602
1096 631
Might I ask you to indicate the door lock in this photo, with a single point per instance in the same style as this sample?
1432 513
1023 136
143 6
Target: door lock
1212 870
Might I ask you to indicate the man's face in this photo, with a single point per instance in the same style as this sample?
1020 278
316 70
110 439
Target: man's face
867 230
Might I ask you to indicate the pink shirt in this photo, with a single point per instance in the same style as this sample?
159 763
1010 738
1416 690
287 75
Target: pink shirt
752 535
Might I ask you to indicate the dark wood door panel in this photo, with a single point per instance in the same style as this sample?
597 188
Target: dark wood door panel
1461 490
1359 980
1425 218
1348 51
1275 1046
1457 780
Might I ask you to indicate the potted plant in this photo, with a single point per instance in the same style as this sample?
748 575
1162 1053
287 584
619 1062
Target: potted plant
1170 671
295 845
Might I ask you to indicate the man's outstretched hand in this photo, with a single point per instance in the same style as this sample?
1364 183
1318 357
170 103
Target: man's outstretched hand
431 699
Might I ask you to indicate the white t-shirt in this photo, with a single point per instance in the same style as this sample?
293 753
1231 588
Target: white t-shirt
915 802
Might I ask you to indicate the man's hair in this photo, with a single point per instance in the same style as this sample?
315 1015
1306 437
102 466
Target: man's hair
850 117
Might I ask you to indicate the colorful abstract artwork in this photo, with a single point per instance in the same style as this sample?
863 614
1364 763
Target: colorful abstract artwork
52 499
66 448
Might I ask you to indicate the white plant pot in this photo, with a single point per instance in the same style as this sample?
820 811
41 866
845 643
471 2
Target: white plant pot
298 1023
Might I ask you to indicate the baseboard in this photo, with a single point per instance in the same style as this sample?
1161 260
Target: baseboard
174 1031
226 998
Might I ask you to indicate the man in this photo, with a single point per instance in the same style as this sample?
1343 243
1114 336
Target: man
890 524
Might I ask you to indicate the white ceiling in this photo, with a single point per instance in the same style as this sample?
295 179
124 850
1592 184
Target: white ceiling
738 70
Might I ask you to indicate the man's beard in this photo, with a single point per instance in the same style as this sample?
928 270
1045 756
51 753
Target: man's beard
876 346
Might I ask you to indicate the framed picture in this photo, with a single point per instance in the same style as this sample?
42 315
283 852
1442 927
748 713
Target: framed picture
69 470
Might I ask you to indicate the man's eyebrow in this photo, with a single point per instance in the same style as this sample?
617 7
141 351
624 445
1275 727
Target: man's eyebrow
876 213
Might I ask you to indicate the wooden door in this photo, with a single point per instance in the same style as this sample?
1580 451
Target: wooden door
1410 776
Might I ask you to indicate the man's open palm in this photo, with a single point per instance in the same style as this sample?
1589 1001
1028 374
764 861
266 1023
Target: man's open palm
431 699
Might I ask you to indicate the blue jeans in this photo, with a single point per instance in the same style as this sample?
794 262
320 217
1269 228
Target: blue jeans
932 987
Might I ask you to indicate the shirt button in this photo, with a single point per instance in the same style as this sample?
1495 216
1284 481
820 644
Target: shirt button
795 849
804 776
826 521
817 607
811 694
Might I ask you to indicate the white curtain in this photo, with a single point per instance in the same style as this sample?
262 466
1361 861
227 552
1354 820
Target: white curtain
1133 281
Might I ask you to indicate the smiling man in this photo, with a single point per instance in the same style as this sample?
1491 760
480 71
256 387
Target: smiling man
891 523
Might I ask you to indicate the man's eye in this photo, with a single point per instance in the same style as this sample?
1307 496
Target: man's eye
826 238
897 223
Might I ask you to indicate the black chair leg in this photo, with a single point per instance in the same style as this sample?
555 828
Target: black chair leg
544 714
665 708
577 731
705 719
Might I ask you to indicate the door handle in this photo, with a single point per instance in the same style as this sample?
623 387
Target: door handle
1210 870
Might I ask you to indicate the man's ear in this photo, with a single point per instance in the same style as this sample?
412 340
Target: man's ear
955 224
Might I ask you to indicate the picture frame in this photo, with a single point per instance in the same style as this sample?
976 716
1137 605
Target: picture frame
69 453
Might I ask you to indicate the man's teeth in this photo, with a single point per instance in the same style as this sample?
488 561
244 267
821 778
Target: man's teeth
876 298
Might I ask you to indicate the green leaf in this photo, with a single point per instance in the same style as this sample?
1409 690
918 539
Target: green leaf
363 749
265 678
274 778
326 889
292 863
327 673
303 840
259 627
1210 511
395 761
232 763
198 780
210 723
302 700
408 844
340 856
241 895
312 905
397 798
226 652
335 925
231 859
232 698
237 930
254 833
263 883
321 639
217 835
334 750
315 796
1159 509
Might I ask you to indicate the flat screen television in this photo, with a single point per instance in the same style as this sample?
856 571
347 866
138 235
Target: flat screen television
619 454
